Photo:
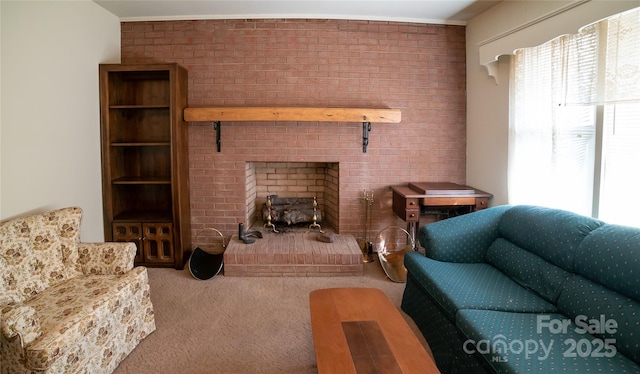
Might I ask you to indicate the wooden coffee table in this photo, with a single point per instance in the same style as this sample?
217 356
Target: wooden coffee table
359 330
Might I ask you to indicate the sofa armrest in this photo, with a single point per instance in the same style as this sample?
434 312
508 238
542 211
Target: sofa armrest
106 258
464 238
20 320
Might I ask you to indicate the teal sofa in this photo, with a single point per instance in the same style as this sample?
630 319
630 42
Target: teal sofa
519 289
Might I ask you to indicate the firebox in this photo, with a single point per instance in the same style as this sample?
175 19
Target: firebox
297 182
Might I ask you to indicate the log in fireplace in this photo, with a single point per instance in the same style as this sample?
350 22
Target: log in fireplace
291 210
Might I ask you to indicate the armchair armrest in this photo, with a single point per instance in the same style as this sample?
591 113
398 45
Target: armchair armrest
106 258
20 320
464 238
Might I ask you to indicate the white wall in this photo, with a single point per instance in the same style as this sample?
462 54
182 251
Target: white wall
50 117
509 25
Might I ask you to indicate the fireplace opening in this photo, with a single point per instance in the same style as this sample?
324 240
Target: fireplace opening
293 187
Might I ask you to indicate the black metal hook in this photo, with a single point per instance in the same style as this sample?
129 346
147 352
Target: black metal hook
366 128
216 126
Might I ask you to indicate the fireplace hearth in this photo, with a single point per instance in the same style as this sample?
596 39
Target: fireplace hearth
298 253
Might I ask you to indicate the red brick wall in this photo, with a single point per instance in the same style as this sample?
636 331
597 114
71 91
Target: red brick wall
417 68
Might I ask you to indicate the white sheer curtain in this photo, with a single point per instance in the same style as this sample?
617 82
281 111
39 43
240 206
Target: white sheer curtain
621 136
575 127
552 133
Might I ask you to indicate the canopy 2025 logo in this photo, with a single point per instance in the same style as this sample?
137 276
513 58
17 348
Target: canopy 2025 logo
500 347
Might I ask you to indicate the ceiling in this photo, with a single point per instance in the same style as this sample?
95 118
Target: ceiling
456 12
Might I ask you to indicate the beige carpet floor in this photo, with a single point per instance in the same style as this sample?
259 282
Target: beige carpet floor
238 325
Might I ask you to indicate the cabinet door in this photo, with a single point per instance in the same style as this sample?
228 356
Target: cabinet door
129 232
158 242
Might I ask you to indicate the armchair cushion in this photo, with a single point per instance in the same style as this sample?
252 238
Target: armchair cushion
106 258
88 306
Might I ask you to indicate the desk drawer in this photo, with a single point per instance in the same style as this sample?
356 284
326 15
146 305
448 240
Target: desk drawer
412 203
482 203
412 215
448 201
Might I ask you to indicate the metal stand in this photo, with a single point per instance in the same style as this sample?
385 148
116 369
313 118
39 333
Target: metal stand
269 223
367 251
315 225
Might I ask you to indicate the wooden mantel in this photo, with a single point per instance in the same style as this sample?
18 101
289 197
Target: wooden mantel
298 114
292 114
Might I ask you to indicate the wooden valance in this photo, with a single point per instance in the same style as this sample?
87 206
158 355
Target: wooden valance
298 114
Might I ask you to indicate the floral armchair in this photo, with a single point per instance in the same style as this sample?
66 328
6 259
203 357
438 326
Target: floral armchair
67 306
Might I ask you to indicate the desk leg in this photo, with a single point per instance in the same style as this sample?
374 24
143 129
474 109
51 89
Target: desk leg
412 228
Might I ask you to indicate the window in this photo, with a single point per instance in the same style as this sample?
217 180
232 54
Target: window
574 140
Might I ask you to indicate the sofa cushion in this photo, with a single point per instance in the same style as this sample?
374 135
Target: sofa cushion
529 270
610 256
552 234
591 301
522 343
32 253
457 286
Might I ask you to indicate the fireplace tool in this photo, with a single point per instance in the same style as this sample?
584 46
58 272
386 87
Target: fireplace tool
391 244
206 264
315 224
269 223
367 247
247 236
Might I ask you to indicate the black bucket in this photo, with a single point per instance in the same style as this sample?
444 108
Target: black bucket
204 265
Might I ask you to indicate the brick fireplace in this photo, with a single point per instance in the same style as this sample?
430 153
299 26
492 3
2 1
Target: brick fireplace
416 68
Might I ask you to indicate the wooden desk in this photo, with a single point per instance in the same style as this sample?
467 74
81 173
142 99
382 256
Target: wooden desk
441 199
359 330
